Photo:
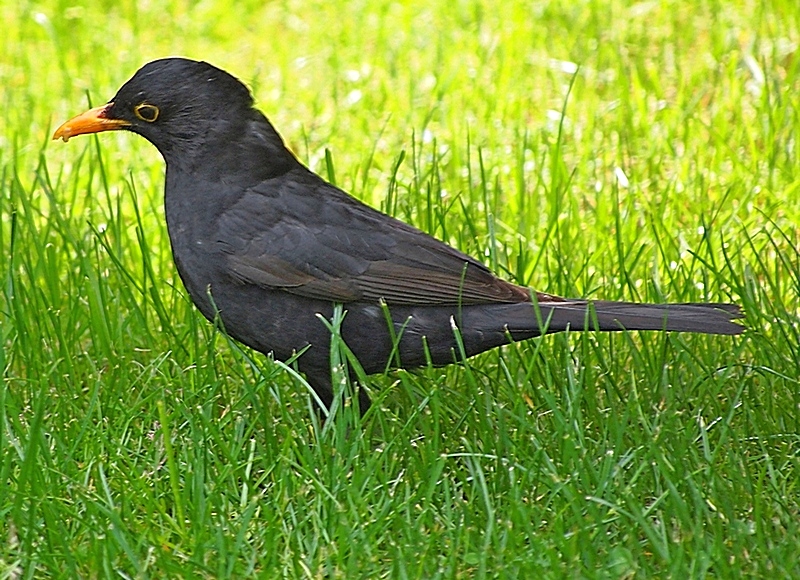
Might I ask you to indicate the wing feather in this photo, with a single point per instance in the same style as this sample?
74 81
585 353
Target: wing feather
313 240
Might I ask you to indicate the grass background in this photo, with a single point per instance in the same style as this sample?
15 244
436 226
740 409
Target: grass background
135 441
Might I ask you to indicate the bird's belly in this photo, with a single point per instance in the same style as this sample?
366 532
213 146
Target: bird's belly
277 322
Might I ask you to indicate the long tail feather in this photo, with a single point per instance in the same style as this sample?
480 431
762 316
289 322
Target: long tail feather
609 316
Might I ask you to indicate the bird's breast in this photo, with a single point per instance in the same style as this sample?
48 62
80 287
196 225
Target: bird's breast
191 225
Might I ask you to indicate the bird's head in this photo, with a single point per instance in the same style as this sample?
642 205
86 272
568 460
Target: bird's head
174 103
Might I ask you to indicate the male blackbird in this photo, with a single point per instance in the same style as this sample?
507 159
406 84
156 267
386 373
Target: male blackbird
276 246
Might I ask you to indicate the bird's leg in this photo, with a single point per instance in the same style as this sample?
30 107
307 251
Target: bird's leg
322 384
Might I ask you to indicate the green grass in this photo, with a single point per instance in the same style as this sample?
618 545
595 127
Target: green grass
136 441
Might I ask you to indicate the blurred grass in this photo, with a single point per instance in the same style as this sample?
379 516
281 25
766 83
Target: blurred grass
138 442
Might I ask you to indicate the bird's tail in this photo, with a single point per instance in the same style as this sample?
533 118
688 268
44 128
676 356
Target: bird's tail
427 333
609 316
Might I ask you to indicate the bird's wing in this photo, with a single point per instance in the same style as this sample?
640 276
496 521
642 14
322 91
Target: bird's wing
301 235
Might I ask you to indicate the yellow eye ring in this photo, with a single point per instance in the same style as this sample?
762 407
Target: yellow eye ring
146 112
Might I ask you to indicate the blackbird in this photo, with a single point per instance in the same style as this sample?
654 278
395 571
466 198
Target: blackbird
270 247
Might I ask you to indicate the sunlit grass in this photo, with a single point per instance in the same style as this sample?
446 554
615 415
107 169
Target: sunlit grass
639 151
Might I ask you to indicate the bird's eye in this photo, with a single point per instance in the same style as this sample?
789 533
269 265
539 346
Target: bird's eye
145 112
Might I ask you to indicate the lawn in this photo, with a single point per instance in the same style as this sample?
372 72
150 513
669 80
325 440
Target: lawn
628 151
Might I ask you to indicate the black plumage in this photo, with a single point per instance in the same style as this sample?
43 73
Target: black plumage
277 246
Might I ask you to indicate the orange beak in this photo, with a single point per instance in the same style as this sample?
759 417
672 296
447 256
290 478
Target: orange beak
92 121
